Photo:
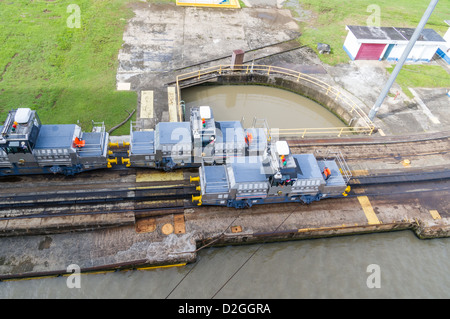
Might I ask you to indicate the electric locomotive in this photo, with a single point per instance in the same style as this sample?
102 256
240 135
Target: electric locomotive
275 177
28 147
237 167
202 139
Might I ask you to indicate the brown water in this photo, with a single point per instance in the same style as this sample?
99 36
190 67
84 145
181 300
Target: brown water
281 108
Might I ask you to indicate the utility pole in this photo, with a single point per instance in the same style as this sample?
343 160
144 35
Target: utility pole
403 58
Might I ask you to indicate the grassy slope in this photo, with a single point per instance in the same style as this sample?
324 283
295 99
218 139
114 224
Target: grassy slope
66 74
331 17
431 76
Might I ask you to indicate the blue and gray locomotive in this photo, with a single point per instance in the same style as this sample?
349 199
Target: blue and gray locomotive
28 147
237 167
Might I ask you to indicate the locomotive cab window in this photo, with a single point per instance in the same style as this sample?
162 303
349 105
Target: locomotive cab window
17 147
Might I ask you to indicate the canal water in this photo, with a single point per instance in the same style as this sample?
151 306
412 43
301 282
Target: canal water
340 267
384 265
280 108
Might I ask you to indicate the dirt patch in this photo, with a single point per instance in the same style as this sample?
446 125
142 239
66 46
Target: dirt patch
145 225
45 244
6 67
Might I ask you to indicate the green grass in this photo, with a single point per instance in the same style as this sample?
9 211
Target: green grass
242 4
66 74
429 76
330 18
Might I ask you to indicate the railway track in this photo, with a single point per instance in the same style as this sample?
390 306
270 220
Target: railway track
156 201
95 192
116 190
94 202
97 197
381 150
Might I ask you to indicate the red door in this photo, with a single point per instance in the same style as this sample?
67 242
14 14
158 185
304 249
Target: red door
370 51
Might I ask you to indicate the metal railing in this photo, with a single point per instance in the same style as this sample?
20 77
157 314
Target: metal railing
366 127
337 156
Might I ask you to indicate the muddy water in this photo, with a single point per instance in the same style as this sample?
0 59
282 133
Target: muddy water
281 108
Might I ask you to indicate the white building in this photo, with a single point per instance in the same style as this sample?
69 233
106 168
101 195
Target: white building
388 43
444 50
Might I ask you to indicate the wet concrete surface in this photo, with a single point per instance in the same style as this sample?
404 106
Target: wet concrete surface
164 40
124 246
399 114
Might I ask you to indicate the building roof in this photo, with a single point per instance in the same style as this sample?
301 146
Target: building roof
392 34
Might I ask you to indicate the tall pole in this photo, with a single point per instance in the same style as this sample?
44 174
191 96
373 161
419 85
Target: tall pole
403 58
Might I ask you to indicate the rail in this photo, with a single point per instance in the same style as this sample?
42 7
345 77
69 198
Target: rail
95 148
202 75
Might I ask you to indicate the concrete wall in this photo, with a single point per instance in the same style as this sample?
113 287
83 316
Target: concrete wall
351 45
418 53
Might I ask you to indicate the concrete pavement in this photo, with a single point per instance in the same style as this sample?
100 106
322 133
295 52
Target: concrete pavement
164 40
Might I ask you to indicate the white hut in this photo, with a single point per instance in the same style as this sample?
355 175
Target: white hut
388 43
444 50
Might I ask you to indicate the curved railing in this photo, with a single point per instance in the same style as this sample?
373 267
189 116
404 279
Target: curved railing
366 125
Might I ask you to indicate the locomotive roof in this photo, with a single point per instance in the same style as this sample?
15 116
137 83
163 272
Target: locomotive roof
216 180
336 178
142 142
229 131
173 132
248 169
259 138
55 136
19 124
308 166
93 146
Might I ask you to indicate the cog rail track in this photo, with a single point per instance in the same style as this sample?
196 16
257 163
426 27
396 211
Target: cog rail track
156 202
377 148
94 193
91 202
